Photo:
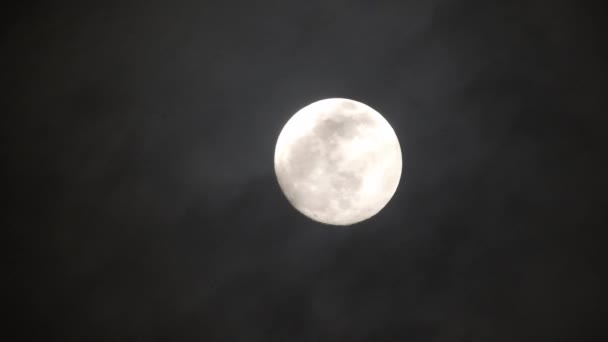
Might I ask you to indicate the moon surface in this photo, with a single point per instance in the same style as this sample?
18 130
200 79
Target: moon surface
338 161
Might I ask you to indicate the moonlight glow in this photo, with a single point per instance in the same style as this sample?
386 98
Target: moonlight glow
338 161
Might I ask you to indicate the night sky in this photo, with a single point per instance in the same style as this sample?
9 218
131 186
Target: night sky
138 139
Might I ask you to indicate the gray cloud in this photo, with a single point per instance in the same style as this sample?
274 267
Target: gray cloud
144 204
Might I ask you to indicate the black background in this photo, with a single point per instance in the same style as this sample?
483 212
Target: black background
143 205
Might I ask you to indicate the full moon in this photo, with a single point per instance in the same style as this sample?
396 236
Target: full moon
338 161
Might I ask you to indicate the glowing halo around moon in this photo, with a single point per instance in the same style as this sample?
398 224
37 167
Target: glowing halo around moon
338 161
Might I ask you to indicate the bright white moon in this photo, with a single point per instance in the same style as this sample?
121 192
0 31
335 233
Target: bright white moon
338 161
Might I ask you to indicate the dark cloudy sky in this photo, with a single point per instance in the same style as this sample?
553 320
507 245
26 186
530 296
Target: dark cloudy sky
138 137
